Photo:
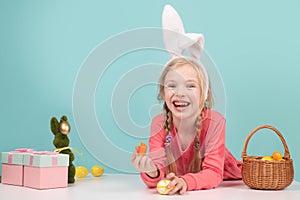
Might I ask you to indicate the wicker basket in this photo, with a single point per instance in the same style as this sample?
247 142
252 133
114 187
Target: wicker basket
265 174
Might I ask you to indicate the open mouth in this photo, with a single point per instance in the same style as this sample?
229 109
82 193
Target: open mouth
180 104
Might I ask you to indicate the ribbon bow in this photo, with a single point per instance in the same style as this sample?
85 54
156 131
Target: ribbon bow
64 148
23 150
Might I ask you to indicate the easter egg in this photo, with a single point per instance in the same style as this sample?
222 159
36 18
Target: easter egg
97 170
162 186
267 158
277 156
64 128
81 172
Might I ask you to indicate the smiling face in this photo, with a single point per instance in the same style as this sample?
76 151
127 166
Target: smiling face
181 92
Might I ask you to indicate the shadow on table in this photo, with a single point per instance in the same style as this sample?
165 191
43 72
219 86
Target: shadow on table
239 184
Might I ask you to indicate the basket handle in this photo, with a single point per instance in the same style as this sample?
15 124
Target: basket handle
286 149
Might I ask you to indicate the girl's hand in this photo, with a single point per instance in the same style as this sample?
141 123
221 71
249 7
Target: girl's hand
179 184
144 164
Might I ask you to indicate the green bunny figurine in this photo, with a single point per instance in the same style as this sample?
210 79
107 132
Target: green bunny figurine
61 142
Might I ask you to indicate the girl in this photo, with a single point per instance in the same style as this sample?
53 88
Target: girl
187 142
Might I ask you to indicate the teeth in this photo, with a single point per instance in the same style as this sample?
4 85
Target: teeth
180 104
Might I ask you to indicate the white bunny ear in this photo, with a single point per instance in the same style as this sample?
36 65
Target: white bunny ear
171 20
196 47
172 29
175 38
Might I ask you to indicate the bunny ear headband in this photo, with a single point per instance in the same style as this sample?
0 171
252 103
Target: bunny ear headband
176 40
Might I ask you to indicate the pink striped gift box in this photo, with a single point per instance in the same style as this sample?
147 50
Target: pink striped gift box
46 170
12 166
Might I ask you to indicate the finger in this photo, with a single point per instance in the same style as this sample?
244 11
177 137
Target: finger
144 163
143 160
173 183
170 176
182 191
183 186
175 189
179 186
133 156
136 162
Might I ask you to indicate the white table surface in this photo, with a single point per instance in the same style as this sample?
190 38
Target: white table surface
113 186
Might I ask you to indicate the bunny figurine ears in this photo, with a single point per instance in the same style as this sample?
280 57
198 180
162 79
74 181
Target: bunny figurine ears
177 41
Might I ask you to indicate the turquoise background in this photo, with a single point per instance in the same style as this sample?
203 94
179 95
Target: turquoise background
255 45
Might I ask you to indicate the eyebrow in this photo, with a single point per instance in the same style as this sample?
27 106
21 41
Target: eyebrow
192 81
187 81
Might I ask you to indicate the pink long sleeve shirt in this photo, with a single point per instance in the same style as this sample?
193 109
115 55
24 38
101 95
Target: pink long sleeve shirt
217 162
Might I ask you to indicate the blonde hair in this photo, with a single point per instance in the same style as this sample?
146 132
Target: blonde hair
195 164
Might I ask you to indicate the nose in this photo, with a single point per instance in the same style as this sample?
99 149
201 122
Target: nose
180 92
180 96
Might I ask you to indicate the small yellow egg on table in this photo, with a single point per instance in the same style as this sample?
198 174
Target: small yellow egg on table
81 172
97 170
162 186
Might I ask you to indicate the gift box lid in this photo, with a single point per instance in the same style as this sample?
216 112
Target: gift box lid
15 157
46 159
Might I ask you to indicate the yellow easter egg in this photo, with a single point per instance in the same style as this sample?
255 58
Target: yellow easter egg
267 158
277 156
97 170
81 172
162 186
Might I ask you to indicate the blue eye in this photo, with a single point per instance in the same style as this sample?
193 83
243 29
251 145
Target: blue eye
171 86
191 86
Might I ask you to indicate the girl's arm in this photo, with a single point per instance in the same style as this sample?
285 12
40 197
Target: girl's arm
156 151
